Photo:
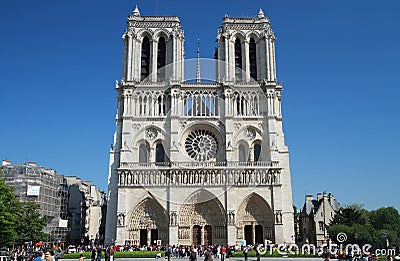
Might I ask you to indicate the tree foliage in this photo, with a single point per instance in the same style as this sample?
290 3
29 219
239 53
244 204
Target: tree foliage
362 226
349 216
18 220
9 207
31 223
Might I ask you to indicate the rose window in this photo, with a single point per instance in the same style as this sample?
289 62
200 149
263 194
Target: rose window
201 145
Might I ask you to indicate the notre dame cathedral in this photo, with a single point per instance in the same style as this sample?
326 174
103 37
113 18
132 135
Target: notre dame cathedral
199 162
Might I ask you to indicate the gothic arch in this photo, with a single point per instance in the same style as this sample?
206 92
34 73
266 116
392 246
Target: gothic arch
247 132
202 213
143 33
141 135
254 212
200 208
147 215
254 35
239 35
161 32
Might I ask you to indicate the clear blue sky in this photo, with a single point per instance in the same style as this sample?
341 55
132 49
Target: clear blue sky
338 60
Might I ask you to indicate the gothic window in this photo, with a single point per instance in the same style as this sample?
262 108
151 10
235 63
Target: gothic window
257 152
242 153
143 153
160 154
161 59
253 59
238 59
145 62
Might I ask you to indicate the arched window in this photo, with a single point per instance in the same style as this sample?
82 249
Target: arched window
145 62
242 153
143 153
161 59
238 59
253 59
257 152
160 153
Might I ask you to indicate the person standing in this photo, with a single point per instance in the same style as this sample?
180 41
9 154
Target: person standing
193 255
98 253
93 256
107 254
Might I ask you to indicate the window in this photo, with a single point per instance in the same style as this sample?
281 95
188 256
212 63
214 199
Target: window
242 153
145 62
238 59
143 153
257 152
253 59
161 59
160 154
321 225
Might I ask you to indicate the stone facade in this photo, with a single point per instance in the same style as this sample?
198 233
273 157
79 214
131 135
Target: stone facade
199 162
315 216
87 208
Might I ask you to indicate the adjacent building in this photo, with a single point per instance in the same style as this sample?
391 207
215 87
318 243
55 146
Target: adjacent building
44 186
315 216
74 210
87 208
193 161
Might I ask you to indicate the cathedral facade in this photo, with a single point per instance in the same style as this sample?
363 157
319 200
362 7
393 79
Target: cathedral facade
199 162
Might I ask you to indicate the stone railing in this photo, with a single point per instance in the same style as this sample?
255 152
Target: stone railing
199 177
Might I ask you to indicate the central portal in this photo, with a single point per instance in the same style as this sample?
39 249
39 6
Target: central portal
202 220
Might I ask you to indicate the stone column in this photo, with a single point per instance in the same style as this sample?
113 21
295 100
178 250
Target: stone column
149 237
253 232
153 60
246 60
202 235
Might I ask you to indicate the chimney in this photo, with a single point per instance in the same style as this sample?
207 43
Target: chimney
309 197
319 196
5 162
31 163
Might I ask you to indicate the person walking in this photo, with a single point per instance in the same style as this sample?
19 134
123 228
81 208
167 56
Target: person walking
245 252
223 253
93 256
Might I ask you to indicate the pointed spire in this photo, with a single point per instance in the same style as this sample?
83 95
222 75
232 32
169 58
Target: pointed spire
260 13
198 62
136 12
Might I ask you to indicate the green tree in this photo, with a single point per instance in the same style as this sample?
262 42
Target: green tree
385 219
9 209
349 216
31 224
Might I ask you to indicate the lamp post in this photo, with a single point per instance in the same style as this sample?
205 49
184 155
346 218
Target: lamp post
384 238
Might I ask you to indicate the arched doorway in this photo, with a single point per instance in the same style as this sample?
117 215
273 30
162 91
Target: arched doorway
202 220
255 220
147 223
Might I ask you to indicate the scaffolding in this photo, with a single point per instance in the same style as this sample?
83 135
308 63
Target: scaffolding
42 186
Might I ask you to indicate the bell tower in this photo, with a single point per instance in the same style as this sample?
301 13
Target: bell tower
153 49
246 47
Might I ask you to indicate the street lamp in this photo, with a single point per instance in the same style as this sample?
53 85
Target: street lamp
384 238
